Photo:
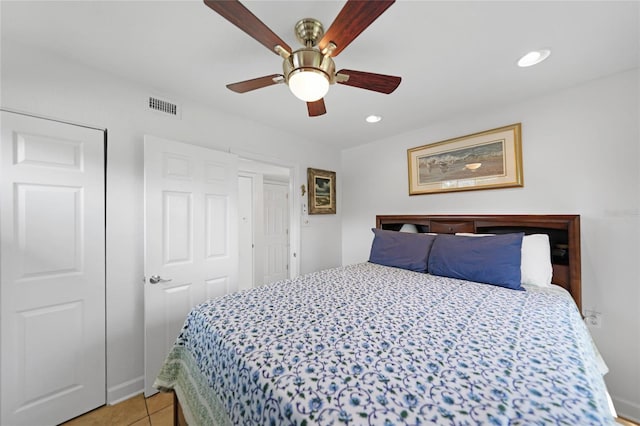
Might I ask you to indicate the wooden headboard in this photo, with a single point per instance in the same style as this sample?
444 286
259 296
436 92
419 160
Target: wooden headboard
563 231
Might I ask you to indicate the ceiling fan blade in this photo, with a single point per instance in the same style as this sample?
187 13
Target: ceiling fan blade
234 12
355 17
367 80
316 108
256 83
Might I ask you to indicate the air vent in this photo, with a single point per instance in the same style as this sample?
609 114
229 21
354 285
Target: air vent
164 106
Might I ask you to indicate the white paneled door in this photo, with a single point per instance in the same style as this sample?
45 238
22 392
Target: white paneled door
191 238
52 270
276 232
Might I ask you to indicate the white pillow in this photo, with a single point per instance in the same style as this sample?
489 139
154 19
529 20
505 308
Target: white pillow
535 266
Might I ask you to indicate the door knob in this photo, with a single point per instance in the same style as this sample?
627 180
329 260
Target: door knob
155 279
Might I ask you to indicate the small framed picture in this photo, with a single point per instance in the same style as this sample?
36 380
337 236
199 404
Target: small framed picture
322 191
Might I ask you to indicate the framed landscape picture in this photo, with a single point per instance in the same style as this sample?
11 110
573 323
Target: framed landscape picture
322 191
489 159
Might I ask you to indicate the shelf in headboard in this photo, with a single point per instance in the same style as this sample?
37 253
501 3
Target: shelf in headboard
563 231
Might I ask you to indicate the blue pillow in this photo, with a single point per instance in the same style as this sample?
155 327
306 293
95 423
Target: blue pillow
491 259
401 249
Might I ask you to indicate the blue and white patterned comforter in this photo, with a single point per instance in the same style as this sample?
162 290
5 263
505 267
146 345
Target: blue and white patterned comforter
369 344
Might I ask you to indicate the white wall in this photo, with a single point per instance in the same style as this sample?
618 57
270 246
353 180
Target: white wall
39 83
581 156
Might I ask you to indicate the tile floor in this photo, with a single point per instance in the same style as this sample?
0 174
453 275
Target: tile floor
137 411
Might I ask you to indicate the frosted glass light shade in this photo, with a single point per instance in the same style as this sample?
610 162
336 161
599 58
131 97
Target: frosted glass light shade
308 85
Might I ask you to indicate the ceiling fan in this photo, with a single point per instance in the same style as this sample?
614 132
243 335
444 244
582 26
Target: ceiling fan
310 70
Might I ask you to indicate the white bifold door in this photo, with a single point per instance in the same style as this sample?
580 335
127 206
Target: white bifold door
52 270
191 238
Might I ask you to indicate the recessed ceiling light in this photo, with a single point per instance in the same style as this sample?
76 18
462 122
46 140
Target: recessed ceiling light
534 57
373 118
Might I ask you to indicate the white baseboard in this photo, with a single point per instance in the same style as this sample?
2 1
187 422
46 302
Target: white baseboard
627 409
125 390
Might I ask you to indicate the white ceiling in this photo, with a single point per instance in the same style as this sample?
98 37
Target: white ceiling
454 57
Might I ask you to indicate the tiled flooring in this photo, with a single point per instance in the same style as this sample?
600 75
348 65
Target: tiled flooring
137 411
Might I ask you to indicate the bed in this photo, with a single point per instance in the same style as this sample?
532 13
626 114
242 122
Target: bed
377 344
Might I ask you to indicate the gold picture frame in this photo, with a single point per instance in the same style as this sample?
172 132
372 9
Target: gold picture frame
321 186
484 160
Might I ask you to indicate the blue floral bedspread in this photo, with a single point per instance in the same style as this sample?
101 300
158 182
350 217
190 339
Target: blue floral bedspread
369 344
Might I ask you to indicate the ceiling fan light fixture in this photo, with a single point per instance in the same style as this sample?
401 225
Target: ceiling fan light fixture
308 73
308 85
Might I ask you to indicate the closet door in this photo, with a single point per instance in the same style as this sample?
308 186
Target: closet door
52 270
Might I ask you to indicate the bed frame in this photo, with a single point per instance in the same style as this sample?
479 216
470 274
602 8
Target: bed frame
178 416
563 231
